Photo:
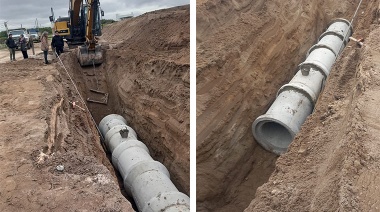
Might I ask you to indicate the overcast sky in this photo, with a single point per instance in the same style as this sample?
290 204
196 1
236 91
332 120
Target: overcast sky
26 12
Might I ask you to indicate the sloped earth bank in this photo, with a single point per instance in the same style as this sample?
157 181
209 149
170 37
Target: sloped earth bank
147 77
246 51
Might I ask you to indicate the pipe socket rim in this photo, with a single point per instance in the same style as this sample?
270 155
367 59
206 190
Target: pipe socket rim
344 38
333 33
318 45
124 146
140 168
262 136
300 88
342 20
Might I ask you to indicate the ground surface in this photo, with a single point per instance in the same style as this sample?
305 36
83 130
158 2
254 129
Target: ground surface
246 50
4 53
41 130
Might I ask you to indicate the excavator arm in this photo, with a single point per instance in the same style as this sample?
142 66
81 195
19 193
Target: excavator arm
90 53
92 9
75 8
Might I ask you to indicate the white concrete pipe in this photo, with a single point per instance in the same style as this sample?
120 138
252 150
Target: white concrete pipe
276 129
146 180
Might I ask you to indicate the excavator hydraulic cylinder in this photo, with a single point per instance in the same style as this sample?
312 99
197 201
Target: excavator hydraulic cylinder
295 101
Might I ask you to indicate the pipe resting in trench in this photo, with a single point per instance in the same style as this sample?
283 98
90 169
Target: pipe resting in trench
146 180
295 101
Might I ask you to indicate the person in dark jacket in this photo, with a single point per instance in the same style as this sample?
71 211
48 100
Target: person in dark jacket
11 47
57 43
23 47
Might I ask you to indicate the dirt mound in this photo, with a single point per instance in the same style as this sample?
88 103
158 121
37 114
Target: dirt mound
245 52
162 32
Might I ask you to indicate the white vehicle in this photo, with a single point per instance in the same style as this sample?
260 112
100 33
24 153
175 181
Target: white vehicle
16 35
35 34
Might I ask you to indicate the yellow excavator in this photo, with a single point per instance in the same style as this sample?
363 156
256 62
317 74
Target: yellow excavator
84 24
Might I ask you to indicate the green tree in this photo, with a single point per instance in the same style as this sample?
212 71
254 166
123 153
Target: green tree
107 21
3 34
47 29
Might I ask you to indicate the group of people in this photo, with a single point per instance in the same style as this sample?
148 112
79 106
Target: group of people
56 43
11 44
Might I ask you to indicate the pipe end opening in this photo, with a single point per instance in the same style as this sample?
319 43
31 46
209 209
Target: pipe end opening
272 135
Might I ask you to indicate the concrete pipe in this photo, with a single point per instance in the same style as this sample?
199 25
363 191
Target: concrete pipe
146 180
295 101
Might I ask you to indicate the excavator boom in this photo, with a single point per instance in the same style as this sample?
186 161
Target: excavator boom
85 22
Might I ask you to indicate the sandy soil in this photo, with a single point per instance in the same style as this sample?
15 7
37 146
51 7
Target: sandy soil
41 131
148 84
245 52
4 53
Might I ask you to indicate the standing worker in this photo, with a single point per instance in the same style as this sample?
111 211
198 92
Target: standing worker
23 47
45 46
11 47
57 43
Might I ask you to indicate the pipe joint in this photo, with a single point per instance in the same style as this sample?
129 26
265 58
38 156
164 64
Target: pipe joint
143 167
320 45
302 89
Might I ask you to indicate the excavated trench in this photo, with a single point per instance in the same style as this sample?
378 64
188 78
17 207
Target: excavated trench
144 107
245 52
148 107
145 73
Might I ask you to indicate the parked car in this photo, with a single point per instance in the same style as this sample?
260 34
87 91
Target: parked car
16 35
35 34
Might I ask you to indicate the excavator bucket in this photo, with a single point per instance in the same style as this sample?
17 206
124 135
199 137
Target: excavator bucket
88 57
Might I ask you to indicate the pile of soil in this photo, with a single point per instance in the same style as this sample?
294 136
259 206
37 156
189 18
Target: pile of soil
147 77
246 51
